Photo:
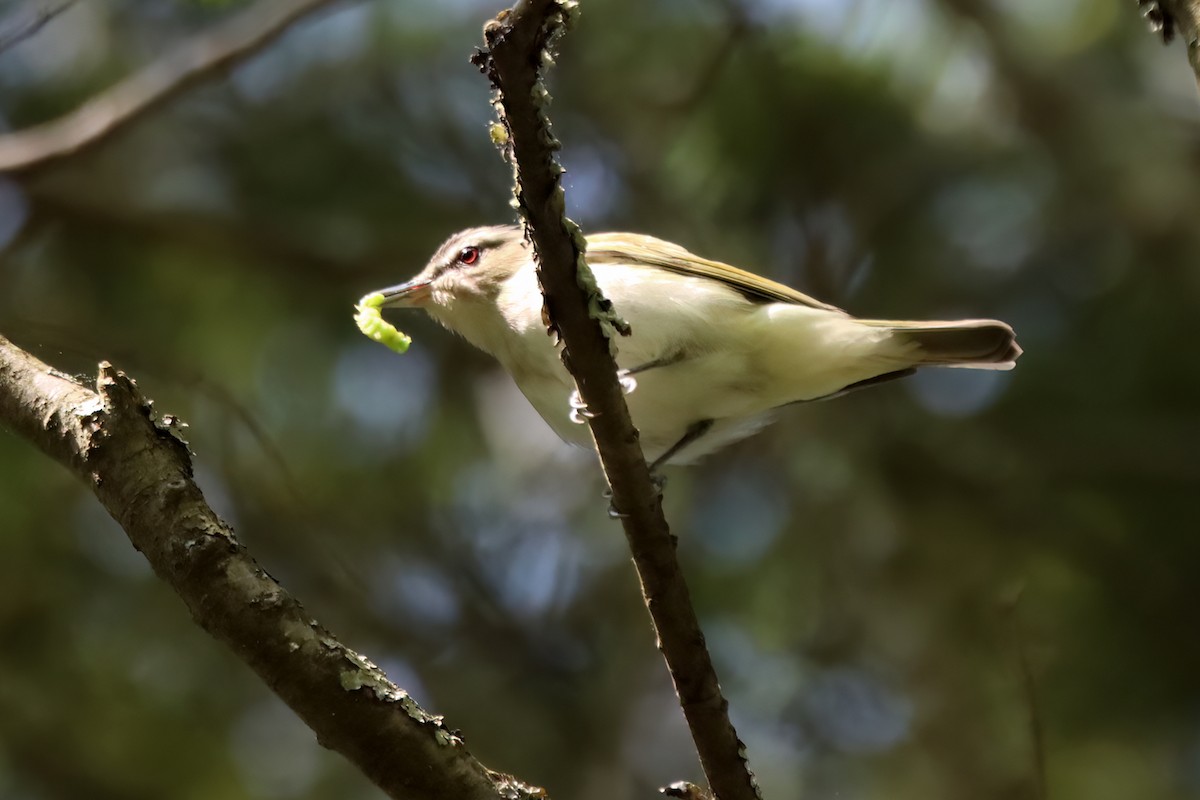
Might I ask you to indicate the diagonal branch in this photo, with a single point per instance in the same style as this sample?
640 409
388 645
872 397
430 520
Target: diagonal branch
15 32
142 472
516 49
185 65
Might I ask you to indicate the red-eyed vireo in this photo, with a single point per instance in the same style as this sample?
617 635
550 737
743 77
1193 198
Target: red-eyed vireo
714 350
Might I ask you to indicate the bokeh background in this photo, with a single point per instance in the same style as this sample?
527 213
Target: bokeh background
942 588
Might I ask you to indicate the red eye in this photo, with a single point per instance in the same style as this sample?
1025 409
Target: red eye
468 255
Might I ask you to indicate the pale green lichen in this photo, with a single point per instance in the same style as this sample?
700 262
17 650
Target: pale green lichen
369 320
363 674
599 307
512 788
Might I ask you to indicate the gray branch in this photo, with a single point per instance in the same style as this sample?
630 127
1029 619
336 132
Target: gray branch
18 28
185 65
141 471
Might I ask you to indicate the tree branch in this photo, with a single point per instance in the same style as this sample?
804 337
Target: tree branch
141 472
516 49
185 65
13 33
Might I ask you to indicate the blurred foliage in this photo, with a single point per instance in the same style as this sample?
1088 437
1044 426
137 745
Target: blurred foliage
898 587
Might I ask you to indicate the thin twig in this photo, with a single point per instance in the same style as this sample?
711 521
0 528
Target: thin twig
14 32
736 30
184 65
141 472
516 49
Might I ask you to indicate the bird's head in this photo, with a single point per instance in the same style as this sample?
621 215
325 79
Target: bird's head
468 268
461 284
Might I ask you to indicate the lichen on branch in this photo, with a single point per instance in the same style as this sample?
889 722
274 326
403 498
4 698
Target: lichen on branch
518 48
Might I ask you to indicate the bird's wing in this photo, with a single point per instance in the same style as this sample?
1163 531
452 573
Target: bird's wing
633 248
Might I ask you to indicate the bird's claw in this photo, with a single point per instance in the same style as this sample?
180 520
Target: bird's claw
580 414
579 410
657 480
613 513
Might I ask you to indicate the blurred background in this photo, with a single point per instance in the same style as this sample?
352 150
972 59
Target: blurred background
964 585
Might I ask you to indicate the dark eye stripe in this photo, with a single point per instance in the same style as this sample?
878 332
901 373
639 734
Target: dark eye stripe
466 257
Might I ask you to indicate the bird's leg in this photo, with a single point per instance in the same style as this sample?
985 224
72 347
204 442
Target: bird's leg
656 480
579 410
579 413
666 361
694 432
613 513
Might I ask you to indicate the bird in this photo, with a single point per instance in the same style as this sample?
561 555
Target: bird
714 352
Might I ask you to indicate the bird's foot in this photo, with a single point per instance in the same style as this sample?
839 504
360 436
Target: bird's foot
613 513
657 480
579 410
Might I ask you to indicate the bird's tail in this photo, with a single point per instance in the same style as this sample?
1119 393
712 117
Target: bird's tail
973 343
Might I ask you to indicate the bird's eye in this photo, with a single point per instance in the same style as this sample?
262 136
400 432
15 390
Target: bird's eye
468 255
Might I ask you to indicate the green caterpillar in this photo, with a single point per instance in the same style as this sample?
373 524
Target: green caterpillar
371 323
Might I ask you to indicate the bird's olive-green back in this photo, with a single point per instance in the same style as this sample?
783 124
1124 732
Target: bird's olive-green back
633 248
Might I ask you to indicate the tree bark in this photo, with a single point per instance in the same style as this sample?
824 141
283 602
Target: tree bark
141 471
517 47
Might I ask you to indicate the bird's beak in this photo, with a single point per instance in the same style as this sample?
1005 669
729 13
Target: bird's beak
413 294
